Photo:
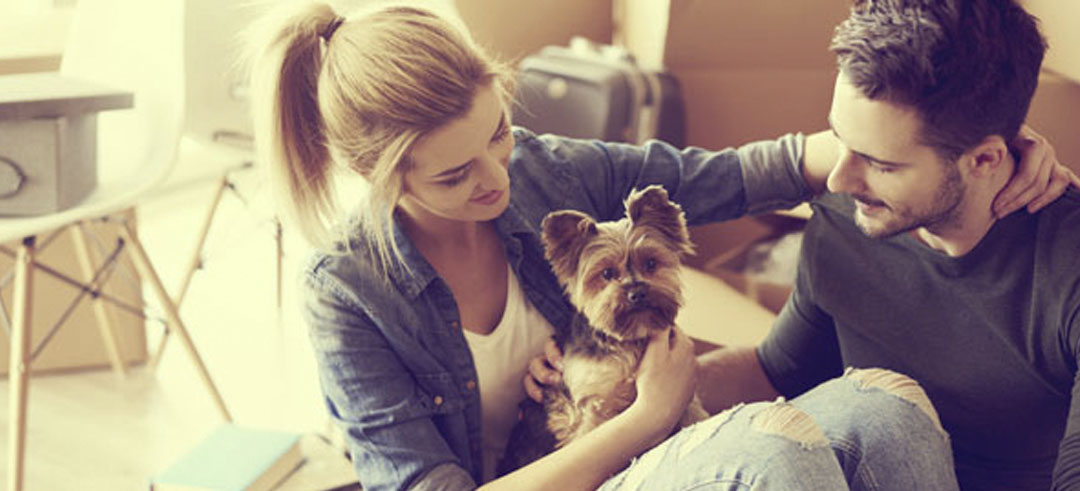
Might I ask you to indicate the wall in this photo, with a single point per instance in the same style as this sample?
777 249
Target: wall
512 29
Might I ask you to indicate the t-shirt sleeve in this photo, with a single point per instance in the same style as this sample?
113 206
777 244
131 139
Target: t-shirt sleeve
802 350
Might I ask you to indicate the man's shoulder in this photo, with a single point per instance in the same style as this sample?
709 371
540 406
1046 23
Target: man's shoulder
832 212
832 204
1059 231
1064 210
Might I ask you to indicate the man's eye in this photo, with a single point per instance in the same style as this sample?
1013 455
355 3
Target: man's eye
609 273
879 167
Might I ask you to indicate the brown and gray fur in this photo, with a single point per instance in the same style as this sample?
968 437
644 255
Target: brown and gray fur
623 276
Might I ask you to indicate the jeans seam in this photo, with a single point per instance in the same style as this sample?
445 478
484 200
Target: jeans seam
700 485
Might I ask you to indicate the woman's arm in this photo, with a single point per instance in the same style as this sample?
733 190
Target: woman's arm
387 417
665 382
819 159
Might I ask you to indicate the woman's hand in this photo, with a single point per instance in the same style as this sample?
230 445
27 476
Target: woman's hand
545 369
1039 179
666 378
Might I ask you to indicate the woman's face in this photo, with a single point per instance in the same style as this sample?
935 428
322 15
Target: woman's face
459 169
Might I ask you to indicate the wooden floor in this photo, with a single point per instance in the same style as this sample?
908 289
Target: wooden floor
93 431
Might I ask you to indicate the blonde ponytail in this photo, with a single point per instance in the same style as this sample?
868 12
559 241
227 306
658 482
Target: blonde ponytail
289 133
358 92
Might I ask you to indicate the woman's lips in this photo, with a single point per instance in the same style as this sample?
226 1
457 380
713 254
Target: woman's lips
488 198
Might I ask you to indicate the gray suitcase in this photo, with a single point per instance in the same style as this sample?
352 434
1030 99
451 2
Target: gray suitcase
587 90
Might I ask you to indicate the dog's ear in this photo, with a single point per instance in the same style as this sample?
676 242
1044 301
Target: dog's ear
565 234
650 207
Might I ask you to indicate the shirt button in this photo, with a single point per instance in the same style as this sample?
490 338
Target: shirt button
471 385
438 400
454 324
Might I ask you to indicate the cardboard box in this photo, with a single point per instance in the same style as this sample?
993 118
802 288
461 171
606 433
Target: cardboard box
78 343
716 314
731 107
512 30
723 251
748 70
1055 113
1059 22
48 140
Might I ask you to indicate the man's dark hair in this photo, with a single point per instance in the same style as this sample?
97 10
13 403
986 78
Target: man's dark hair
968 67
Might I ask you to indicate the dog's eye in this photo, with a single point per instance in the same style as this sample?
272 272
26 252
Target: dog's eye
609 274
650 264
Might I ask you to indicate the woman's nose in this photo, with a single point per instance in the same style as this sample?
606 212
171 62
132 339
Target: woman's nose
495 175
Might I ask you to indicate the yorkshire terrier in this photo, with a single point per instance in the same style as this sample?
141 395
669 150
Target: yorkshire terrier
623 276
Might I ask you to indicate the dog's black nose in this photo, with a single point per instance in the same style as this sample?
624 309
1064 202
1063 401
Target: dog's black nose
636 293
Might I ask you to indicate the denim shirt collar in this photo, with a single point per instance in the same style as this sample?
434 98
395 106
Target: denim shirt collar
413 275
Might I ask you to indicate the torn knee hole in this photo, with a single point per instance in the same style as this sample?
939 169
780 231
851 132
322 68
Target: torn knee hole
790 422
897 384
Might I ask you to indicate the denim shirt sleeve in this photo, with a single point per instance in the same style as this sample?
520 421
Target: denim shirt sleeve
711 186
390 431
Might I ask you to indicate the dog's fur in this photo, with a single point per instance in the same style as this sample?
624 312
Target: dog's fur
623 276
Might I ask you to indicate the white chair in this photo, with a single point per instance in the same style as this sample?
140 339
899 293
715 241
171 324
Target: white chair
133 45
217 119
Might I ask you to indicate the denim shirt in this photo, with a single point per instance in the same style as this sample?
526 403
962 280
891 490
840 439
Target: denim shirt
396 372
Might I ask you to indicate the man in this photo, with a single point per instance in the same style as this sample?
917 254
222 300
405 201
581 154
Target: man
906 267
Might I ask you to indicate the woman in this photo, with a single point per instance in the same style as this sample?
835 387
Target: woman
436 295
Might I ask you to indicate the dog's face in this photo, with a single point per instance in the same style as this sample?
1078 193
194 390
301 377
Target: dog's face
623 275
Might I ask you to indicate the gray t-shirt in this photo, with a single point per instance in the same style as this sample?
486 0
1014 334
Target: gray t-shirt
992 335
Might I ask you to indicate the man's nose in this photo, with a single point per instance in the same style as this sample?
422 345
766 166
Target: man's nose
847 175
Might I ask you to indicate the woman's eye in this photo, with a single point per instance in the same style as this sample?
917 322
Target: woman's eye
609 273
501 135
454 181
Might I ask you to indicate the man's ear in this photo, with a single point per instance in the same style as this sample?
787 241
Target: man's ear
987 157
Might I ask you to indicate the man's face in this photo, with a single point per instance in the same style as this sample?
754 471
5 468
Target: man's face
898 184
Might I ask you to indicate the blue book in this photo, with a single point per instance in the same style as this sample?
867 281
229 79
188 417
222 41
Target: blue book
234 458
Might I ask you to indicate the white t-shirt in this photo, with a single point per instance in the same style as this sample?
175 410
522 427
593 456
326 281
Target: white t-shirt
502 359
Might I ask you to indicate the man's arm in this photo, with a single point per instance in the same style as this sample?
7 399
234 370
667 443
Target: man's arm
1067 467
800 351
730 375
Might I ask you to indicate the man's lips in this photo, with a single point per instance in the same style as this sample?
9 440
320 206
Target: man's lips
868 205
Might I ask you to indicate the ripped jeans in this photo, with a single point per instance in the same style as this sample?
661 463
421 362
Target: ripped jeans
870 429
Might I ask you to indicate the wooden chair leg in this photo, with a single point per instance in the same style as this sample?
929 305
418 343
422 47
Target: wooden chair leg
193 265
19 373
196 258
101 312
176 326
280 259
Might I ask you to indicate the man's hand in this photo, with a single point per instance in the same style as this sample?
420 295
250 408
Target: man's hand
545 369
1039 179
